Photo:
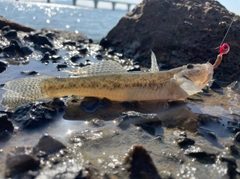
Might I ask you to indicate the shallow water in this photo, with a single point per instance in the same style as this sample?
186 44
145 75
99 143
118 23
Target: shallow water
93 23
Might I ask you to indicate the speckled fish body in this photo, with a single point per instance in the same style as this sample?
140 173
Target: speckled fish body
109 80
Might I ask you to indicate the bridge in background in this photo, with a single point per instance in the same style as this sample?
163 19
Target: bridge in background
114 2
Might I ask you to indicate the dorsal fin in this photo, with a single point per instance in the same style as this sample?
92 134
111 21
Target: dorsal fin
103 67
154 65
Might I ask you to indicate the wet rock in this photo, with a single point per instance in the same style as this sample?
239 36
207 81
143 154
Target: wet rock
26 51
96 122
99 57
136 118
42 40
75 58
182 140
202 154
9 50
104 43
46 49
61 66
69 42
91 104
29 72
216 87
46 58
174 38
33 115
6 127
20 160
11 34
231 165
139 164
6 29
48 145
3 66
83 51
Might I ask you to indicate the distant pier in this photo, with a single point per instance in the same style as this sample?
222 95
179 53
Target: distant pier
114 2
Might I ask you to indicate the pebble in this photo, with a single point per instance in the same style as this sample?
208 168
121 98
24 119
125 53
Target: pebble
6 127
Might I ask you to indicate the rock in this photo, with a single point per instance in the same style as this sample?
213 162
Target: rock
26 51
42 40
6 127
83 51
9 50
139 164
11 34
202 154
6 29
105 43
20 160
216 87
75 58
13 25
182 140
48 145
33 115
46 49
3 66
179 32
29 72
69 42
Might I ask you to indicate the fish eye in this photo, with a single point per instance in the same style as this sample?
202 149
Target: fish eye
190 66
225 47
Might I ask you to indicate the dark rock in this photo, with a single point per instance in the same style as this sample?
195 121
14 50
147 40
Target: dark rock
90 41
216 87
48 145
182 139
83 51
29 72
9 50
6 29
184 142
33 115
13 25
50 35
69 42
75 58
105 43
6 127
3 66
58 103
60 66
169 29
99 57
231 165
11 34
203 154
42 40
26 51
19 160
139 164
91 104
46 57
46 49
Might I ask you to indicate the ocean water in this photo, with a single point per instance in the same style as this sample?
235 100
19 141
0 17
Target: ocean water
94 23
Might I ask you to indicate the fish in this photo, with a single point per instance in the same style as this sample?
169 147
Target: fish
108 79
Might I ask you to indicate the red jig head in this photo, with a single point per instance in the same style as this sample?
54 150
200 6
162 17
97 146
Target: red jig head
224 49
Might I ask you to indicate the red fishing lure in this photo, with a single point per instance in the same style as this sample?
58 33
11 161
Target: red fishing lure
224 49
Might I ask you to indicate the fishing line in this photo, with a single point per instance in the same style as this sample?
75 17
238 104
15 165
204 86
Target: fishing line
227 31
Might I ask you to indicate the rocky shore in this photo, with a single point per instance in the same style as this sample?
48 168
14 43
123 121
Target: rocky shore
78 138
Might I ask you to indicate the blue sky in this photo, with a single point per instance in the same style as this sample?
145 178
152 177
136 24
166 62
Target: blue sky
231 5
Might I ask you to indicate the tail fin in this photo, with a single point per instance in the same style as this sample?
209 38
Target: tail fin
22 91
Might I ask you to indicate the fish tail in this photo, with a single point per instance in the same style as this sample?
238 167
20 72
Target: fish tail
23 90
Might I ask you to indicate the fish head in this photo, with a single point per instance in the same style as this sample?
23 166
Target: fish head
199 74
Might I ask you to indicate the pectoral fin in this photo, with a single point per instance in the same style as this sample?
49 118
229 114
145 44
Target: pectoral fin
187 86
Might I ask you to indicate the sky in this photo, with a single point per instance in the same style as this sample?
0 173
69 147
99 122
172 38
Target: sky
231 5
